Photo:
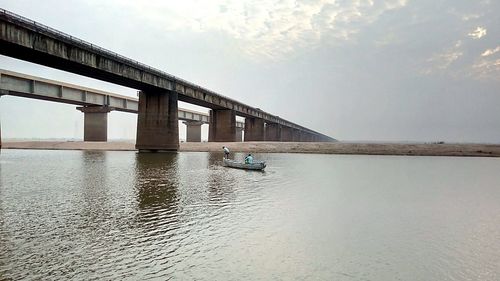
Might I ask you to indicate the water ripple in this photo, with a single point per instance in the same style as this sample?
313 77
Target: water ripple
121 215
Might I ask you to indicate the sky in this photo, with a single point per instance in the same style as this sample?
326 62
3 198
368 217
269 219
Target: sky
359 70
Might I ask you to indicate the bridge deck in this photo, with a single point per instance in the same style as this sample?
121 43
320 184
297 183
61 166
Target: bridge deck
22 85
28 40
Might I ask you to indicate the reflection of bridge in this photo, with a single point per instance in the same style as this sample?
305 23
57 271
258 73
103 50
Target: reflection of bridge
157 126
95 104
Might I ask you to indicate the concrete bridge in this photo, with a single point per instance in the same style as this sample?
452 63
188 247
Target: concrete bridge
157 125
95 104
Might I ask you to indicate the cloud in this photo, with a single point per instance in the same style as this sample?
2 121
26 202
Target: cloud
442 61
461 60
471 17
478 33
465 16
487 66
486 69
490 52
268 28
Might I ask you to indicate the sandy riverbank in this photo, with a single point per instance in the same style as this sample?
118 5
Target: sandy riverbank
483 150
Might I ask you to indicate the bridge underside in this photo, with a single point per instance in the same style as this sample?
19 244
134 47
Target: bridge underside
157 126
97 67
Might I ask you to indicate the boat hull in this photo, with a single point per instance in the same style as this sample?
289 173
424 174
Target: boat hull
256 166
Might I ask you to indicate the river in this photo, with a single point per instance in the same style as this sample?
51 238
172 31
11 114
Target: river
85 215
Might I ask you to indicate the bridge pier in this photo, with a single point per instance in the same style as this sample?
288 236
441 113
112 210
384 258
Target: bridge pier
303 136
222 126
286 134
273 132
254 129
295 135
28 40
239 134
193 131
157 121
308 137
95 122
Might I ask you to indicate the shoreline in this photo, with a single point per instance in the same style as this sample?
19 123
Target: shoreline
407 149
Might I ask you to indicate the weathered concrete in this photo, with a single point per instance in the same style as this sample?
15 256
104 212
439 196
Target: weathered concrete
254 129
295 135
222 125
193 131
310 138
27 40
306 137
302 136
239 134
28 86
286 134
95 123
157 122
273 132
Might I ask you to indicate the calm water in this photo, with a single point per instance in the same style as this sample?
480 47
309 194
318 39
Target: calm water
121 215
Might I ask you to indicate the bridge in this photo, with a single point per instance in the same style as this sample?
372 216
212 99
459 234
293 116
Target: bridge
95 104
159 92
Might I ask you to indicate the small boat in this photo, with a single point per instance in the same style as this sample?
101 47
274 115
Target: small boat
256 165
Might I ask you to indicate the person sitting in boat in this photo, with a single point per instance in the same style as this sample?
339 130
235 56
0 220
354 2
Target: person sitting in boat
226 152
249 159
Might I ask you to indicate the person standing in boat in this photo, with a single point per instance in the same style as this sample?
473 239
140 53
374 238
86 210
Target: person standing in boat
226 152
249 159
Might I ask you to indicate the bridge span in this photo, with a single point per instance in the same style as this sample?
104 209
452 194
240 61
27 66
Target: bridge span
95 104
157 126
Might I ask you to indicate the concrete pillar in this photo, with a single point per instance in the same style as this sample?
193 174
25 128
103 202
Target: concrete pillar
273 132
222 126
254 129
286 134
309 137
157 121
239 134
95 122
193 132
303 136
296 135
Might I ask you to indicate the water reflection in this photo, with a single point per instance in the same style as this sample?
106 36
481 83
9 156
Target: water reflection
214 159
156 179
120 215
5 236
93 181
221 182
157 196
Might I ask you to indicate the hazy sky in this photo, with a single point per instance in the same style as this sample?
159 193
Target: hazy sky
423 70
